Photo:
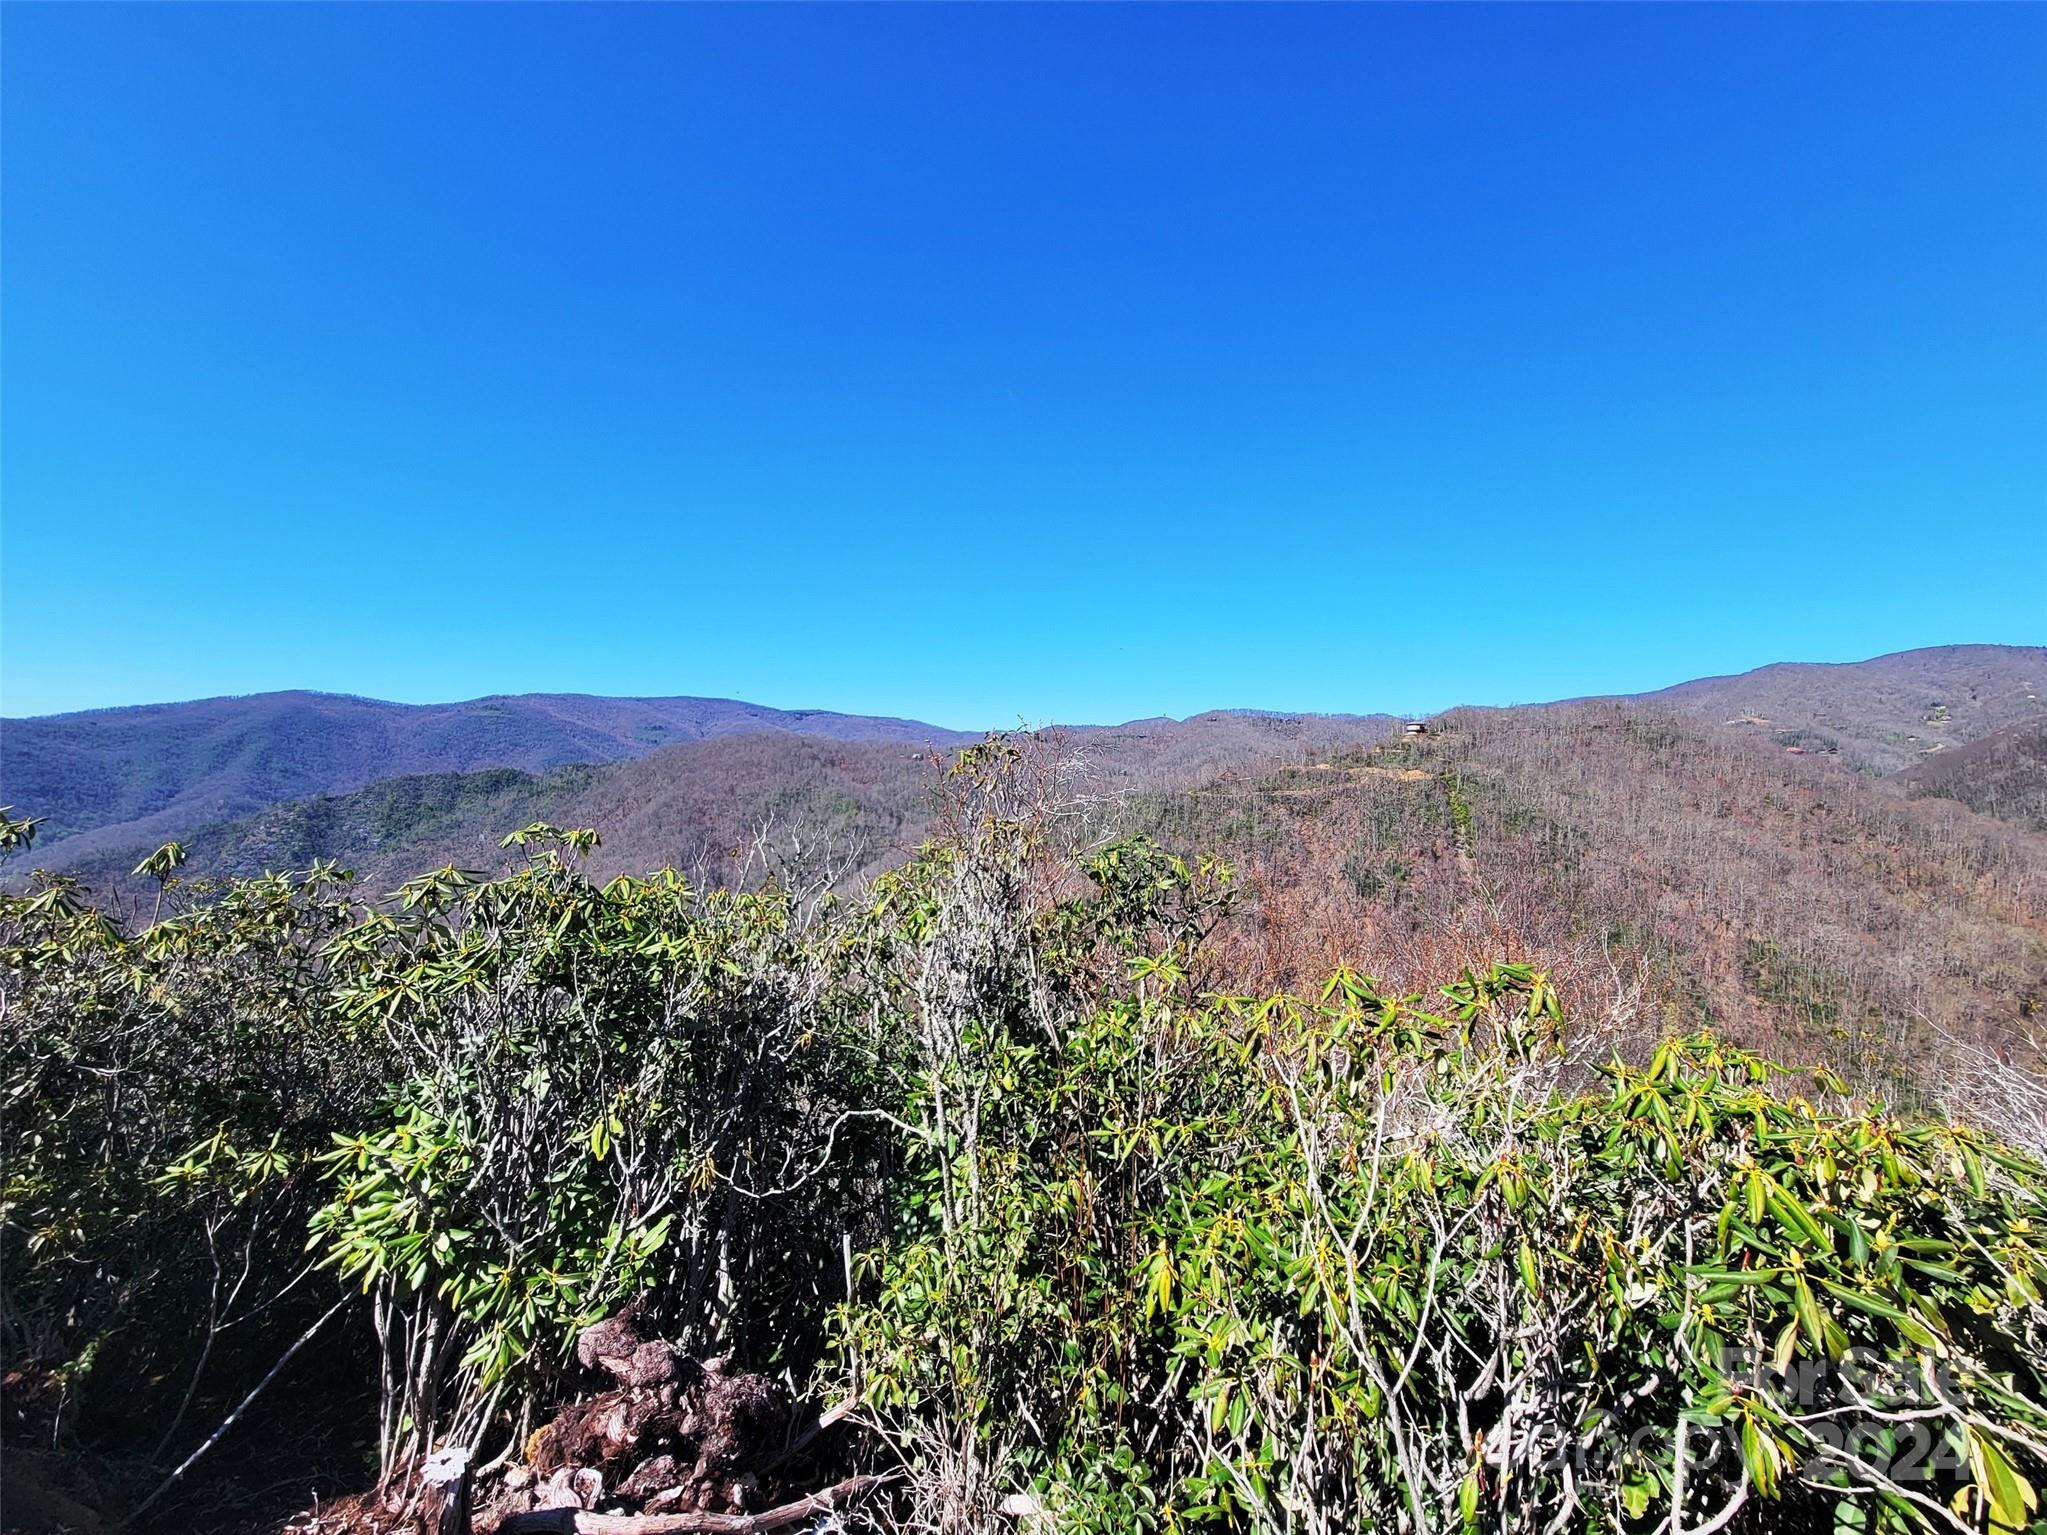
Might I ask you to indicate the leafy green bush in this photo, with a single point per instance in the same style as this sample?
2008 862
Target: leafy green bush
164 1093
595 1093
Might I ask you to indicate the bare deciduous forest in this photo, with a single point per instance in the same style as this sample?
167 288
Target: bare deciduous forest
1652 863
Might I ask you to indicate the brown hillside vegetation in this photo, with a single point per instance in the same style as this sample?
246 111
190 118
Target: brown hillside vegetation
2003 775
1881 714
1660 864
724 810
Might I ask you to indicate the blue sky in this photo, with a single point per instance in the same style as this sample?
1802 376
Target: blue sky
980 363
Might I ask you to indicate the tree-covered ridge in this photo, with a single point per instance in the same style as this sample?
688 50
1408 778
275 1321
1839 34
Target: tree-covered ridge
1878 715
1128 1249
1694 875
2002 775
697 805
114 778
263 773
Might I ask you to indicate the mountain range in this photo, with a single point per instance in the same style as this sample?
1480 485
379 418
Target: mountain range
275 780
108 778
1840 862
1879 715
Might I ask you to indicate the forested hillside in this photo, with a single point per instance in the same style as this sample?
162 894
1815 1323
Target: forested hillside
1879 715
1691 871
723 810
275 776
121 777
2002 775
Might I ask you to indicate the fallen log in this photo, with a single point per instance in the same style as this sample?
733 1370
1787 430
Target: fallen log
576 1521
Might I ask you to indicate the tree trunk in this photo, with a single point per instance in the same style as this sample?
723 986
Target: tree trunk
444 1493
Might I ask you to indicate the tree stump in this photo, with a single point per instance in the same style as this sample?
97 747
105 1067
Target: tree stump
444 1493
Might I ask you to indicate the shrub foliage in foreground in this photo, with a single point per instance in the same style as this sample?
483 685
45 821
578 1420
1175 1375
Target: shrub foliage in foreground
1146 1255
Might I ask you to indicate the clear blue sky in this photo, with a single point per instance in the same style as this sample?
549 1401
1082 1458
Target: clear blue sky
974 363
